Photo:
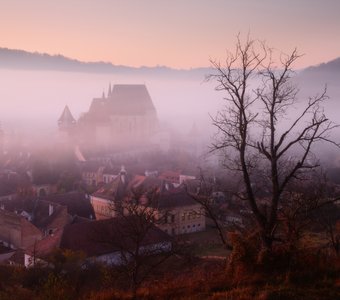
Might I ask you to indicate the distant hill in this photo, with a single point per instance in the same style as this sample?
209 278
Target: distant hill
331 66
312 81
325 73
23 60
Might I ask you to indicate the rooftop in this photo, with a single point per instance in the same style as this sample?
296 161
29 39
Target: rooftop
123 100
106 236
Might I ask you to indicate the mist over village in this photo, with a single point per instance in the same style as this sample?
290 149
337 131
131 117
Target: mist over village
169 150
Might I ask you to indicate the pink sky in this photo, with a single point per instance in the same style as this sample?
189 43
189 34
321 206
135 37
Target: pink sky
177 33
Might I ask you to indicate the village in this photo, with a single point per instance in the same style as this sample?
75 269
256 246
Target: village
61 203
115 200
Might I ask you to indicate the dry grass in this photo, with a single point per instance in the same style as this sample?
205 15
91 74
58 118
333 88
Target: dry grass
310 276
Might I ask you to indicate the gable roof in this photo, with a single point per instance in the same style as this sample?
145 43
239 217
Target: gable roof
106 236
123 100
77 203
43 216
130 99
15 225
46 245
58 219
119 187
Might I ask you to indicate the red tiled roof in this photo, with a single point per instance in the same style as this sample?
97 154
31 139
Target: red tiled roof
46 245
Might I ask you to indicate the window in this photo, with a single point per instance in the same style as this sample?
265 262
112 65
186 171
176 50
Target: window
191 215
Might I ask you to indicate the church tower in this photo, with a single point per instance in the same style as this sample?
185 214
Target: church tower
66 122
67 126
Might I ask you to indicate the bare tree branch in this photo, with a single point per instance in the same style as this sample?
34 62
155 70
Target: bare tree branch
282 155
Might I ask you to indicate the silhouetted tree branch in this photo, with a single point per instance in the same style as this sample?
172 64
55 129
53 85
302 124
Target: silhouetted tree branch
140 215
255 131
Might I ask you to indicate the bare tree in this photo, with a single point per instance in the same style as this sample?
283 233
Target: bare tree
257 134
332 230
203 196
143 247
327 217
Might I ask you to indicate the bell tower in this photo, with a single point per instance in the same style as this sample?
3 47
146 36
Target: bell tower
66 122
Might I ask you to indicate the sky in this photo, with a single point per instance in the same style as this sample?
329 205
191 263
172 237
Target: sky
175 33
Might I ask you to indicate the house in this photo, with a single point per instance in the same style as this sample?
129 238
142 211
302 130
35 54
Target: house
109 174
183 214
94 173
171 176
23 221
111 241
175 177
77 203
91 173
107 200
16 231
40 250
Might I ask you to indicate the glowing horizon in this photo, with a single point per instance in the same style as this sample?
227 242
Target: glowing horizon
183 35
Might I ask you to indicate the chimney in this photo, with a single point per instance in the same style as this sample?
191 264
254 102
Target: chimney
50 209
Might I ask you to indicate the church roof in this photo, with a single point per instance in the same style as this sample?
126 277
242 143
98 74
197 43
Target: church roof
130 99
122 100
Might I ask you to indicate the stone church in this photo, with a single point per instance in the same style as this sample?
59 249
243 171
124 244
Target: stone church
125 117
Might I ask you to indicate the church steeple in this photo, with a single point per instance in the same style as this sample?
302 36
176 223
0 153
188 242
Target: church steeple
66 120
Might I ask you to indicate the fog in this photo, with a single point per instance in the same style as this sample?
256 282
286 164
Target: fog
37 98
32 101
